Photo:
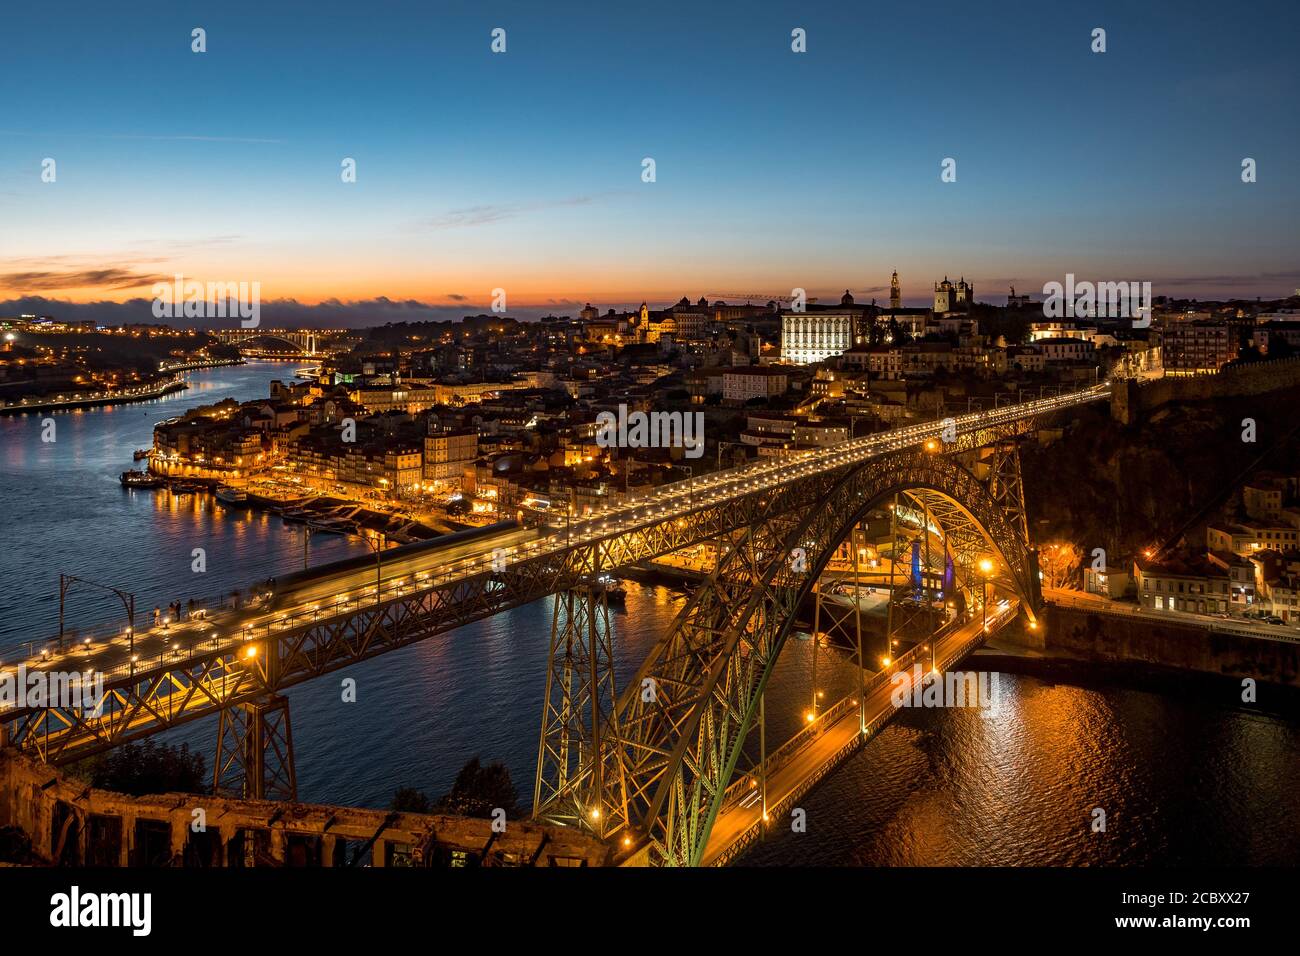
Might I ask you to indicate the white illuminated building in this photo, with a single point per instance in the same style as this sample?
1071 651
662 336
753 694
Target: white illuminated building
807 338
821 332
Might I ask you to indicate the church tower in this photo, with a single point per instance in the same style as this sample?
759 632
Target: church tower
895 292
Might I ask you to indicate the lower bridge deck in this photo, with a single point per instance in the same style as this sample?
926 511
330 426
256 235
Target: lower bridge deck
838 732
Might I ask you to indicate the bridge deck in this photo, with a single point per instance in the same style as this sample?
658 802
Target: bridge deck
184 672
739 826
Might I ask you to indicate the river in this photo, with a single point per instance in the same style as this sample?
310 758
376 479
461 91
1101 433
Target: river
1181 775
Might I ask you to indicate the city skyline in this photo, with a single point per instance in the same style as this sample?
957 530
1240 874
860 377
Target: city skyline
523 170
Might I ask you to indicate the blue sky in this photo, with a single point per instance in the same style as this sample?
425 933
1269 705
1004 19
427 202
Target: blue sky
523 170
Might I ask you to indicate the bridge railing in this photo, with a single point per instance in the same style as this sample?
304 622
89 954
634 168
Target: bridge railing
828 717
747 783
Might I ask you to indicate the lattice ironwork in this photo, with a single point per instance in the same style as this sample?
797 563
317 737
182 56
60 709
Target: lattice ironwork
255 752
679 748
745 596
577 712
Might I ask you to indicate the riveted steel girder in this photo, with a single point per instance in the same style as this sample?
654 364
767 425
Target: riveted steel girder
679 747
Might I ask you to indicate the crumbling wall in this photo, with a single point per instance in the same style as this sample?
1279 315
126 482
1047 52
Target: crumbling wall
70 823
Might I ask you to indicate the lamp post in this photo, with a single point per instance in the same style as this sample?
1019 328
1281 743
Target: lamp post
379 570
306 542
986 568
126 597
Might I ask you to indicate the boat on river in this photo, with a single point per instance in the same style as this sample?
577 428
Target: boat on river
233 497
140 479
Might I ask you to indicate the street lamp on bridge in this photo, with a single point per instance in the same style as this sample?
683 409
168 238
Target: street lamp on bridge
126 597
986 569
378 549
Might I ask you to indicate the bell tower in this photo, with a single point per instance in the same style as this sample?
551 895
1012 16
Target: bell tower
895 292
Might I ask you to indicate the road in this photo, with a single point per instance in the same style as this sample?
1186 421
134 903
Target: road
739 821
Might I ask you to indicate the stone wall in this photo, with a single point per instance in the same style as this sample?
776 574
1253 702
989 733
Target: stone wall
1130 399
72 824
1113 638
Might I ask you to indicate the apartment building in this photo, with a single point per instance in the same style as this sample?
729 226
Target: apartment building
1192 584
446 455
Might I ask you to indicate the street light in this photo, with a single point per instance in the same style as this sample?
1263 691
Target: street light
378 549
986 568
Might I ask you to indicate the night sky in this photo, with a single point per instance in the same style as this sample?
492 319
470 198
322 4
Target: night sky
523 170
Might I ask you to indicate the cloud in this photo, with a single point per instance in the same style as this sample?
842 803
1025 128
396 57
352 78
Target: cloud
107 279
470 216
1227 281
275 313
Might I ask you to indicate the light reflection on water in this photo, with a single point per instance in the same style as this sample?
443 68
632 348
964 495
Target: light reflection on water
1184 778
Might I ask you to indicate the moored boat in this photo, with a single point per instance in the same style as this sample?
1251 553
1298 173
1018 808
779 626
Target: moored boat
232 496
139 479
613 588
331 525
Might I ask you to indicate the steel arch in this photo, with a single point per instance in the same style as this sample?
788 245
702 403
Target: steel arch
678 750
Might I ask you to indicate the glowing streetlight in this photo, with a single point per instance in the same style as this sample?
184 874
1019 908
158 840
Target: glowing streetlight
986 568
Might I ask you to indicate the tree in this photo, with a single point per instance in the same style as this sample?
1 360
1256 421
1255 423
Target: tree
1059 561
410 800
479 790
150 767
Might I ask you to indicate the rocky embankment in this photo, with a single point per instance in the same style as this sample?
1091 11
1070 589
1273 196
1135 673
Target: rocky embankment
1126 487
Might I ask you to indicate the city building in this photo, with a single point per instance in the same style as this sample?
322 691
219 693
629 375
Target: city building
743 384
819 333
1191 584
1198 347
447 455
953 298
1245 539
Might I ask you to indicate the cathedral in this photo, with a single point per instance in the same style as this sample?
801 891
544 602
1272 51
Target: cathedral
953 298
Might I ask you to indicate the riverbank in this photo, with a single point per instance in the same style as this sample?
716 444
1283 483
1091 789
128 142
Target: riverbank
1080 635
210 363
97 399
320 514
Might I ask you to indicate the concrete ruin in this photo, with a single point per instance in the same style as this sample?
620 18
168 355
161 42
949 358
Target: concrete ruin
71 823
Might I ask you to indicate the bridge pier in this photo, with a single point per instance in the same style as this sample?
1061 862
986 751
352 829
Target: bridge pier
575 784
255 752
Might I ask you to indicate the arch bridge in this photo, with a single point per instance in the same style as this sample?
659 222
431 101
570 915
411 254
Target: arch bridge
305 341
648 767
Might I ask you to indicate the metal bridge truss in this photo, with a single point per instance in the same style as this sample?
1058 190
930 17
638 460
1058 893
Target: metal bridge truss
651 766
674 751
255 752
240 667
